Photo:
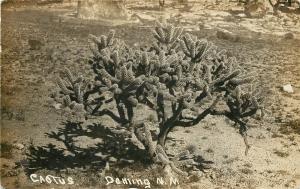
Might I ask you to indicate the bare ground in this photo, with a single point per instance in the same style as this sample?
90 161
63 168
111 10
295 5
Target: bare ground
29 118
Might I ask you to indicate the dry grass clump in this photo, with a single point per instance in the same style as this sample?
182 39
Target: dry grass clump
6 150
290 127
281 153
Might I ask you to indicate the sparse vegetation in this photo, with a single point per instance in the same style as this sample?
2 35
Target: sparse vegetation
246 171
43 144
290 127
281 153
275 135
6 149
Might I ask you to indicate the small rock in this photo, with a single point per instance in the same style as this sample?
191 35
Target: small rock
227 35
242 15
144 18
19 146
57 106
112 159
288 88
127 160
101 155
288 35
68 153
35 44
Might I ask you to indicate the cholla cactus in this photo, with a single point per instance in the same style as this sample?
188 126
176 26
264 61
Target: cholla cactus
103 41
166 33
72 90
180 78
193 48
167 37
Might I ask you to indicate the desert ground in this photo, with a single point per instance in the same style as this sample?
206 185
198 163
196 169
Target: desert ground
39 41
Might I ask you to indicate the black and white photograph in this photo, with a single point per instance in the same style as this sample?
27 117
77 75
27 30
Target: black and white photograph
160 94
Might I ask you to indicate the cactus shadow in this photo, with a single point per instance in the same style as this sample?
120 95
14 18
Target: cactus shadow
68 154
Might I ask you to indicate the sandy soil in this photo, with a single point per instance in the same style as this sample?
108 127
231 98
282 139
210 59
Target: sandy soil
35 129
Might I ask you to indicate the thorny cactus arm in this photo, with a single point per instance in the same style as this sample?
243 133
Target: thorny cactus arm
179 120
81 96
143 134
103 41
241 104
115 70
166 33
193 48
72 91
167 36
